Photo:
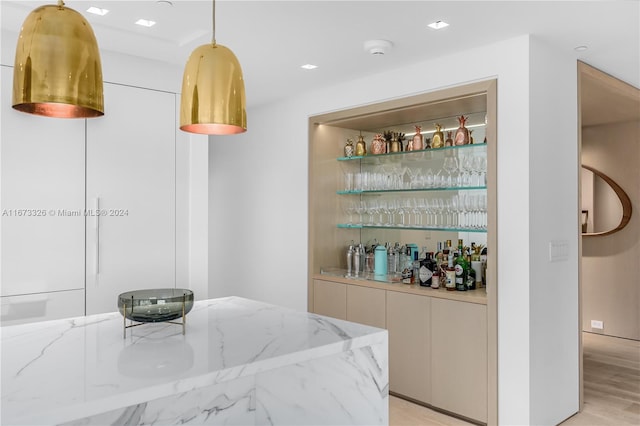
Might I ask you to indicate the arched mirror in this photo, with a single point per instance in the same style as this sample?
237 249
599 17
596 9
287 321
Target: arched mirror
606 208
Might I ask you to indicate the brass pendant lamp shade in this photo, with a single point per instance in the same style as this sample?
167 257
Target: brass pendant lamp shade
57 70
213 97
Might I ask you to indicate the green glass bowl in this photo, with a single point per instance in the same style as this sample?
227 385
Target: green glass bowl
155 305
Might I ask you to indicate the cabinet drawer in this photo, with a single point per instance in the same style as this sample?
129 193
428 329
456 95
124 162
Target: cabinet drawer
41 307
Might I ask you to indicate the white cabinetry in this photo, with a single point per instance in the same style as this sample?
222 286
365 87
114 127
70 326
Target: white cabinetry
42 223
131 174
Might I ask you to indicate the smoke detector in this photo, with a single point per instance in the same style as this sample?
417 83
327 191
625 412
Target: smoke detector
377 47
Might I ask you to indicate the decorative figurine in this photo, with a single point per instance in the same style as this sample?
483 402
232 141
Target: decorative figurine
377 144
417 143
401 141
349 149
361 147
396 146
427 143
471 137
388 137
449 141
462 134
438 137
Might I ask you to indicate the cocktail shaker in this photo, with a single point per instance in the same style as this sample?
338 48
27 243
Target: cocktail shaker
350 252
357 260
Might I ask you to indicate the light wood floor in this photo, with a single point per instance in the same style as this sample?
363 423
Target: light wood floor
611 389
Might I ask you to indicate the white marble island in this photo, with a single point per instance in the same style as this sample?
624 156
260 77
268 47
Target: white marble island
240 362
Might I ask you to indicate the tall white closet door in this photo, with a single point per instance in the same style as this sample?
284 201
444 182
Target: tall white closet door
131 180
42 198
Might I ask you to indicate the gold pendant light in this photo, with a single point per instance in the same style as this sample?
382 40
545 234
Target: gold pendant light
57 70
213 98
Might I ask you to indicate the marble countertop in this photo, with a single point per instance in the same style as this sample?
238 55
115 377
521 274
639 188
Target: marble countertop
55 371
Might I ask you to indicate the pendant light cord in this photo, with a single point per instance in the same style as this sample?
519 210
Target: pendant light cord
213 21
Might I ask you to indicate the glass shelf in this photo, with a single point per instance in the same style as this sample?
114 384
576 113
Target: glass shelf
383 191
413 228
425 153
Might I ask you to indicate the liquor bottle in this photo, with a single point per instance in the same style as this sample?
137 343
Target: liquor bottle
395 144
407 265
471 275
426 271
435 272
361 146
450 274
443 267
461 268
438 256
483 259
417 143
438 137
462 133
415 268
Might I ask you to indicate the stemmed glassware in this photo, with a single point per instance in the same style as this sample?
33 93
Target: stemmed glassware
372 209
479 166
466 166
382 210
361 209
482 208
450 165
417 211
349 208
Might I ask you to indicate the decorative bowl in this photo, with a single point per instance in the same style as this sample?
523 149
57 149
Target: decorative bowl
155 305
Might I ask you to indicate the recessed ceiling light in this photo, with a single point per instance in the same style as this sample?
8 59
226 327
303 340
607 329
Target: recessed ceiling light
309 66
164 2
97 11
145 23
580 48
438 25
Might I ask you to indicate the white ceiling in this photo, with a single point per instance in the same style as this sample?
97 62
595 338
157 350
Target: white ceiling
272 39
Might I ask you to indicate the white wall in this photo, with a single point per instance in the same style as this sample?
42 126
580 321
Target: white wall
258 207
554 216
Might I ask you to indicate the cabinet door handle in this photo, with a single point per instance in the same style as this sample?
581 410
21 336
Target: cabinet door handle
97 252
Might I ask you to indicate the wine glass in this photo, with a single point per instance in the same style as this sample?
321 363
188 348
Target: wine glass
417 211
349 209
455 211
482 210
438 207
428 211
428 178
481 168
382 210
392 208
407 208
466 166
372 209
361 209
450 165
